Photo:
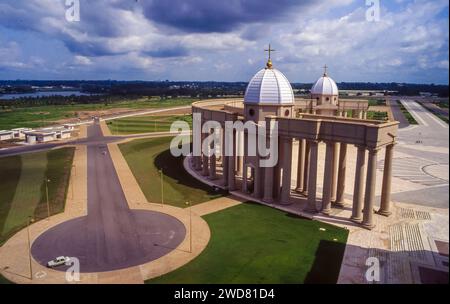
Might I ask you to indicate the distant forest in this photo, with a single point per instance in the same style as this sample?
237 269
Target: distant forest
113 91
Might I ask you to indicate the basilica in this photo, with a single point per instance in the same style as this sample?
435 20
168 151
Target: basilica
321 120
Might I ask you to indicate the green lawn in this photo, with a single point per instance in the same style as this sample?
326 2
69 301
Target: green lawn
145 124
377 115
39 116
4 280
23 191
251 243
147 156
377 102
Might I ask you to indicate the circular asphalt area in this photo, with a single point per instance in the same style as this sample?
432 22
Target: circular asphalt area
153 235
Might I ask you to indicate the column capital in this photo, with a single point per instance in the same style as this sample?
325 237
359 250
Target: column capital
392 144
373 150
330 142
312 141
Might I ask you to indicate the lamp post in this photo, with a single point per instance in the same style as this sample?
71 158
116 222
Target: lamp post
46 194
30 220
190 226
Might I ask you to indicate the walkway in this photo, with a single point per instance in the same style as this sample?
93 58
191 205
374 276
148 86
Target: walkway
110 223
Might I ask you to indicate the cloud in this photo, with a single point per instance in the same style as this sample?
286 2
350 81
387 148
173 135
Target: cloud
205 16
150 38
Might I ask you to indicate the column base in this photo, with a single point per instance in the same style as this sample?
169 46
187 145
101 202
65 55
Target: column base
268 200
383 212
304 193
356 219
298 190
368 226
340 204
326 211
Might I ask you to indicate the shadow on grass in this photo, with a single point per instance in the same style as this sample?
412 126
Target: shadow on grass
173 167
327 263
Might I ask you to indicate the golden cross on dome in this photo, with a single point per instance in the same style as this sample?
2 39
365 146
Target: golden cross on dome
269 61
269 50
325 67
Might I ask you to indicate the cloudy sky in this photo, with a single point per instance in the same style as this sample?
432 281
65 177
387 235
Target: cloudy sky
225 40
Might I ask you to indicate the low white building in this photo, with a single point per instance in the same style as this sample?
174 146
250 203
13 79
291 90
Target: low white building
40 136
48 134
20 132
5 135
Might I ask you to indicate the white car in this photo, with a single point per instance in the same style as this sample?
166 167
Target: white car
58 261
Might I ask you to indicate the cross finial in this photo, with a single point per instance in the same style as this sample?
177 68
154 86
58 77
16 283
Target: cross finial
269 61
325 67
269 50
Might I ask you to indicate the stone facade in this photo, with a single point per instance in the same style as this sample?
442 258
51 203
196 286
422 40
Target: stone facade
274 184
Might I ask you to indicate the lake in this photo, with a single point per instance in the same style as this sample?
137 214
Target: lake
43 94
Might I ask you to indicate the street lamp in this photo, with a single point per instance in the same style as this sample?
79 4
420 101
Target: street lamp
190 226
46 193
30 220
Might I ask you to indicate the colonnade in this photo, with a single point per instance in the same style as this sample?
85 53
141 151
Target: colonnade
356 113
273 184
361 114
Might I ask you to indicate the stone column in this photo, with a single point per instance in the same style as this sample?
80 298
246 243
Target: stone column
306 167
345 113
212 167
224 161
312 180
212 159
268 185
360 114
239 155
341 175
287 170
369 197
257 182
244 178
359 184
327 178
364 114
334 173
232 165
387 176
205 159
300 165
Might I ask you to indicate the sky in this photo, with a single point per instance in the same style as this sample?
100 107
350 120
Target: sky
224 40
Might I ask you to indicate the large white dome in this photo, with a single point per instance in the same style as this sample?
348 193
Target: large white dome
325 86
269 86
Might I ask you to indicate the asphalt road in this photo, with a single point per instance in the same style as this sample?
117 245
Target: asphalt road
111 236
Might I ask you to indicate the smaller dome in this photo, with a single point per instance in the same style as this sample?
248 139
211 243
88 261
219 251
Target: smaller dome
269 86
325 86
